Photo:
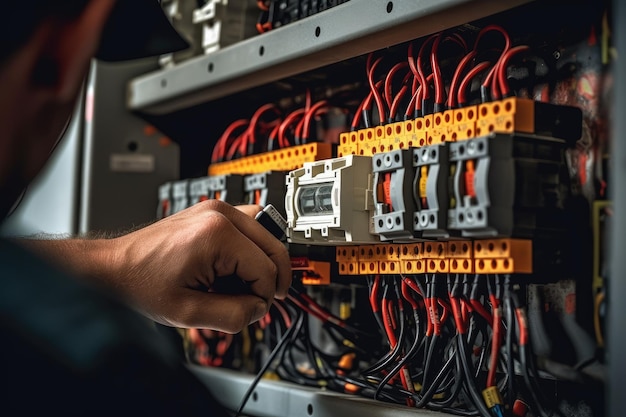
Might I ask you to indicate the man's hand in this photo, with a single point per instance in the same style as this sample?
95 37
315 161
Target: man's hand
167 270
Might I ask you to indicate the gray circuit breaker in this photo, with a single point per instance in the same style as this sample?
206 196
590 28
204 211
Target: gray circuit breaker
430 191
329 202
164 208
266 188
199 189
228 188
392 196
180 195
508 185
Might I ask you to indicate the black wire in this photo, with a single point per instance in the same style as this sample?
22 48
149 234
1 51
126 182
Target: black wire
510 394
424 398
409 355
526 362
469 380
277 349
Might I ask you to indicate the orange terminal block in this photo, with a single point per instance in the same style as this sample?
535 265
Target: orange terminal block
503 256
286 159
347 144
419 130
461 265
380 139
443 127
437 266
465 122
459 249
412 266
411 251
410 135
395 137
368 267
347 253
367 145
435 250
389 267
506 116
348 267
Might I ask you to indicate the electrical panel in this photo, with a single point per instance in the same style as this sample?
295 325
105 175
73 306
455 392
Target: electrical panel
438 194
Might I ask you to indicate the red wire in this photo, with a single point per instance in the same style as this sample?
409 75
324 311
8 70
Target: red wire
237 145
462 99
393 109
420 69
454 83
412 285
316 108
283 313
254 120
507 43
220 146
503 64
374 294
305 308
315 306
408 296
456 313
262 5
371 68
480 309
388 322
291 118
389 81
272 136
523 327
496 343
434 65
446 310
357 114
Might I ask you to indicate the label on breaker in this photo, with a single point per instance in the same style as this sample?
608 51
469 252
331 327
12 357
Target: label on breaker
135 163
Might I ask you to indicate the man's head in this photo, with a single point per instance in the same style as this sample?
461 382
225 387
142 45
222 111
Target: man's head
45 49
44 58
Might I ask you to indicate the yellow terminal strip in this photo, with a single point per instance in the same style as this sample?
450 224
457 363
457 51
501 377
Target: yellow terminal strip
412 266
506 116
460 254
348 267
347 144
394 137
437 266
286 159
411 251
459 249
443 127
367 144
410 135
435 250
465 122
461 266
487 256
347 253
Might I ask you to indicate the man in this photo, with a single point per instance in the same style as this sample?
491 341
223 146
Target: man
68 343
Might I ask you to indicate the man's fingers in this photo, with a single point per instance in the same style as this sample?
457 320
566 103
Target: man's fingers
236 258
249 210
228 313
271 246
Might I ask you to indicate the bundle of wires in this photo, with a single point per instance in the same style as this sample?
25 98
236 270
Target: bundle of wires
422 86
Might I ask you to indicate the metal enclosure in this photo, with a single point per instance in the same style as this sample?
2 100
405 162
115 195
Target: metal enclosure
125 159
